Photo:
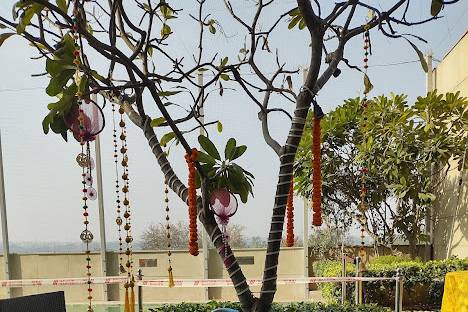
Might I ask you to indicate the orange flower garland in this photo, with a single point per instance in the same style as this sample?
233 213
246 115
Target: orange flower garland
192 202
316 172
290 216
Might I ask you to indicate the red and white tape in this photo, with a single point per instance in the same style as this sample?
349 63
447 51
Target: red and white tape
181 282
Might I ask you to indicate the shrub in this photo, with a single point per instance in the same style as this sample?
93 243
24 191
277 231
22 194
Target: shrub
292 307
423 281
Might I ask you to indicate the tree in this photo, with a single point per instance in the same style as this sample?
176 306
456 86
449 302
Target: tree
127 58
407 152
325 242
155 236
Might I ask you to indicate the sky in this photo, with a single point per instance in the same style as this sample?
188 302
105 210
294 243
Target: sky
42 180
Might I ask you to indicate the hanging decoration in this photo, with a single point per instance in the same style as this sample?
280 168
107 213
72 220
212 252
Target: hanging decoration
192 202
290 216
316 167
85 120
130 283
168 236
118 202
224 205
363 206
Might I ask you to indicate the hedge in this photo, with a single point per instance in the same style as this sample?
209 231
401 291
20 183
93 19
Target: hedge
292 307
423 281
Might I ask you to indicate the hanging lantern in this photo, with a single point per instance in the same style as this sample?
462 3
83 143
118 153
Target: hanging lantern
85 121
224 205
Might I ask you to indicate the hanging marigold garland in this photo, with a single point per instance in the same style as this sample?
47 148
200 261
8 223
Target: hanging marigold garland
192 202
316 167
290 216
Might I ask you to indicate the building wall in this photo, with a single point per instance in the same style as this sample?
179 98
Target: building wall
450 214
185 266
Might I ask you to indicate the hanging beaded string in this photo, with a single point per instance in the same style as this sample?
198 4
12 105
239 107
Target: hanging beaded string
129 302
290 216
192 202
84 159
168 236
118 220
364 170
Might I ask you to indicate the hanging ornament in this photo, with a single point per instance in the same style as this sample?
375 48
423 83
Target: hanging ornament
316 166
118 203
130 283
224 205
84 129
290 216
85 121
168 236
192 202
363 206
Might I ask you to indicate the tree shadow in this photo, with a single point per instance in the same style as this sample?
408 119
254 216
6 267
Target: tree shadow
450 216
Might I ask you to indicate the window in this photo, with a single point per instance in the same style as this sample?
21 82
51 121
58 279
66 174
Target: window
246 260
148 263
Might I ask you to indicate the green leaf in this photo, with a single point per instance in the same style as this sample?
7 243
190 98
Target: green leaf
436 7
46 122
4 37
295 12
157 122
367 84
167 138
205 158
58 124
208 147
27 16
230 148
240 150
219 126
97 76
224 61
212 29
57 83
54 67
165 31
168 93
225 77
422 60
62 4
294 21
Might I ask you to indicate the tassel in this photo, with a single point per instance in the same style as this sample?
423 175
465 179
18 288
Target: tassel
316 170
132 298
171 277
290 216
127 302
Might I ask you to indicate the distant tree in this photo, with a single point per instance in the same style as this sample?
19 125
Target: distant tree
325 242
155 236
407 154
257 242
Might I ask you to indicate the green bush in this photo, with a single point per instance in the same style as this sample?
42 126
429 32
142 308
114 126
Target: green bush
292 307
423 281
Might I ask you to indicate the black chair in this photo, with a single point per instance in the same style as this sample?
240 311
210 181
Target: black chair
50 302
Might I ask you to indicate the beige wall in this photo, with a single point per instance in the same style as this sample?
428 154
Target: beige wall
450 211
60 265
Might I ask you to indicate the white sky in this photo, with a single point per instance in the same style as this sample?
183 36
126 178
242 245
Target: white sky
43 181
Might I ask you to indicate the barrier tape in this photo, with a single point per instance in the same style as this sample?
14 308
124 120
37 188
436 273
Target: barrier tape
180 282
